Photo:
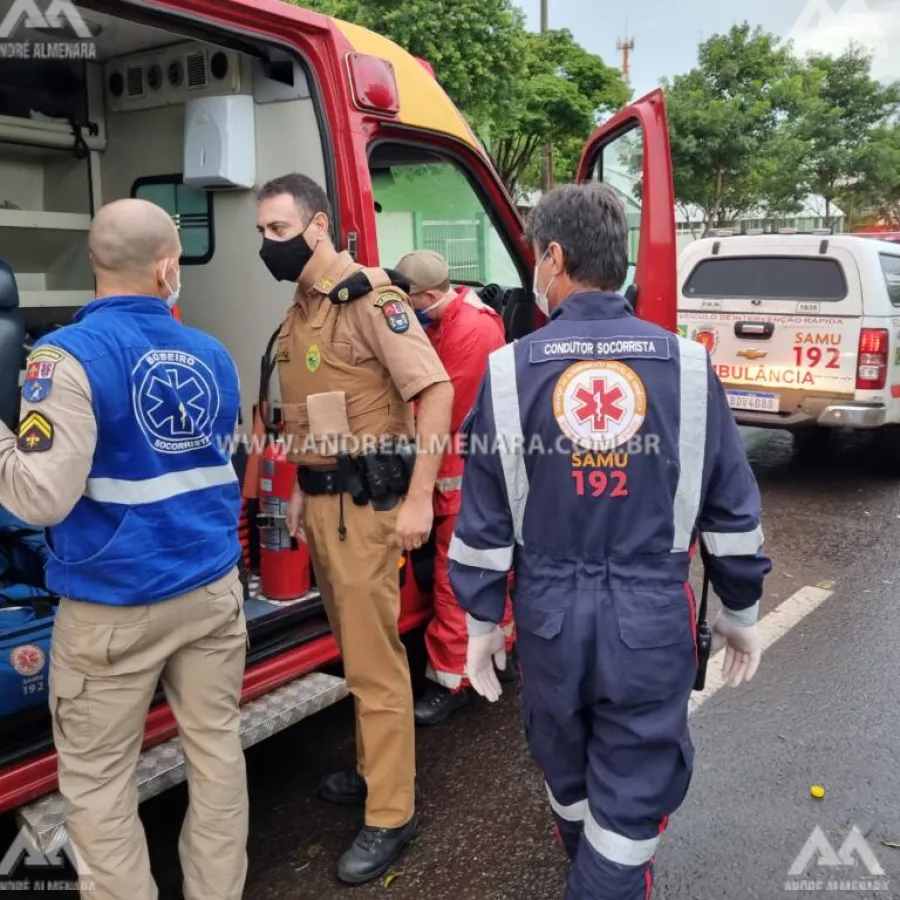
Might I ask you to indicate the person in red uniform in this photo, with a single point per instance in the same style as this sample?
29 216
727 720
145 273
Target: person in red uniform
463 331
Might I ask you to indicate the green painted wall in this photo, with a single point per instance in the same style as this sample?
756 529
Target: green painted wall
412 196
437 191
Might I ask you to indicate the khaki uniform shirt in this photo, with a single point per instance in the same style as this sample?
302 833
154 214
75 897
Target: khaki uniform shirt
351 347
361 336
44 469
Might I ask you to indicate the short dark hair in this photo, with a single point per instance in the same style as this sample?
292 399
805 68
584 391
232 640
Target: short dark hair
589 223
306 193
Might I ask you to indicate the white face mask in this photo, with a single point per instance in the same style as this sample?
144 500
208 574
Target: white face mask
436 304
540 297
174 292
422 314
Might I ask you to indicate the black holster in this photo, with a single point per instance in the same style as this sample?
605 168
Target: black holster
352 478
387 475
378 480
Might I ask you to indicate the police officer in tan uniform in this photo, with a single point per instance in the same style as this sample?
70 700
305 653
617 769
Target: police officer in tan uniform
351 359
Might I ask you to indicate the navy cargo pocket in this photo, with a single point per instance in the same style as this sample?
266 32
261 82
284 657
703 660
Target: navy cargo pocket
539 641
656 654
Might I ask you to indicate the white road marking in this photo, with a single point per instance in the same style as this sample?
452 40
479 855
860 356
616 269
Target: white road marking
771 627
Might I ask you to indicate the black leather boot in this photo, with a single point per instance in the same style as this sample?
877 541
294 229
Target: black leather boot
373 852
438 704
348 788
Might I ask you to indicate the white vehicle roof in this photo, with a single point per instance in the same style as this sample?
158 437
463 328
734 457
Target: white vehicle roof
863 248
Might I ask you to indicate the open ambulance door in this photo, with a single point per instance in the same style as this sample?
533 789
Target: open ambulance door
631 153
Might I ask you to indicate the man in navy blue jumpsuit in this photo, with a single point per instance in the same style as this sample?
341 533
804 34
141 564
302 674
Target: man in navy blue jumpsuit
599 447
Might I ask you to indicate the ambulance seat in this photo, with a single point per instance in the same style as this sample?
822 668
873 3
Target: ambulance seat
12 347
518 314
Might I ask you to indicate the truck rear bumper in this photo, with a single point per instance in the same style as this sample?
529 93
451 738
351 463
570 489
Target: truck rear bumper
854 415
838 415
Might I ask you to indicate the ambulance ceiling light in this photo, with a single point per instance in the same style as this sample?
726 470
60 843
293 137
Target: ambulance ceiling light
429 68
373 84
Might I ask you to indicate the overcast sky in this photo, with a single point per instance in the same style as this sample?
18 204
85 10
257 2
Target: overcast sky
666 32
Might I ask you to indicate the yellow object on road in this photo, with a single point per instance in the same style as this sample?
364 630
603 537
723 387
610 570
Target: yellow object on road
817 791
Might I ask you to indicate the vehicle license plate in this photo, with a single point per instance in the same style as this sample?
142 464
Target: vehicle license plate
751 401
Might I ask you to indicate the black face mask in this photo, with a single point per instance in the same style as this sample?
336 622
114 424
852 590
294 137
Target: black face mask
286 259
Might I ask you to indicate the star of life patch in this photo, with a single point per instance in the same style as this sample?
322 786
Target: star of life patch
35 433
618 347
27 660
599 405
175 399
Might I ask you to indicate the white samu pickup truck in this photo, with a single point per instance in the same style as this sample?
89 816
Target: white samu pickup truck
803 329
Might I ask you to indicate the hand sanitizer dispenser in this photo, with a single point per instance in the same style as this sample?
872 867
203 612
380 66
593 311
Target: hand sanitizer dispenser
220 142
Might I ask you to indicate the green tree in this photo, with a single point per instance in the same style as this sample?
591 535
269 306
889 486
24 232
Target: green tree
725 120
844 110
476 47
560 99
875 195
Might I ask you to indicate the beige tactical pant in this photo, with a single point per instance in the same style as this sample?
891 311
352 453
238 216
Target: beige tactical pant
105 665
360 586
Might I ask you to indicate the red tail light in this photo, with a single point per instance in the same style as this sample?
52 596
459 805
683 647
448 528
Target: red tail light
871 368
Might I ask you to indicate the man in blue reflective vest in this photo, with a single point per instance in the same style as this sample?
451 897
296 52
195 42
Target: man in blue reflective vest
598 447
123 453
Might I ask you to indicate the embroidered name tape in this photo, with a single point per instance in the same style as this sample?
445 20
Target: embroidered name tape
604 348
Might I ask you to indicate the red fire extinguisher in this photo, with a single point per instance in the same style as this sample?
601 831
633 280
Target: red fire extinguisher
283 560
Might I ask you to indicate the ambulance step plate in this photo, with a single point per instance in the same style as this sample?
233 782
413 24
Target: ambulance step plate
162 766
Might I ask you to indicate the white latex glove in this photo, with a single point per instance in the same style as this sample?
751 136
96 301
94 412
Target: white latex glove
483 651
743 650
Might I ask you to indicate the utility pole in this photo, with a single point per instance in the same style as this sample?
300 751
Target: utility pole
548 147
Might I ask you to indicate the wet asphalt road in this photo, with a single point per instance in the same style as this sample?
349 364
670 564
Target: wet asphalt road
824 708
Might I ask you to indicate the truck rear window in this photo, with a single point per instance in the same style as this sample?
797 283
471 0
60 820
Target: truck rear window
768 278
891 267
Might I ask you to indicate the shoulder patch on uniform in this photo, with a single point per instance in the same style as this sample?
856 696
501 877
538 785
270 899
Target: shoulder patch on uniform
388 296
394 311
352 288
35 433
38 380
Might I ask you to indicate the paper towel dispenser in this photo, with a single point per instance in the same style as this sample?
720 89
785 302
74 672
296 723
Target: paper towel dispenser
220 142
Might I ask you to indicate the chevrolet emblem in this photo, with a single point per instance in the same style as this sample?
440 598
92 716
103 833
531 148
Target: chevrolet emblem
752 354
